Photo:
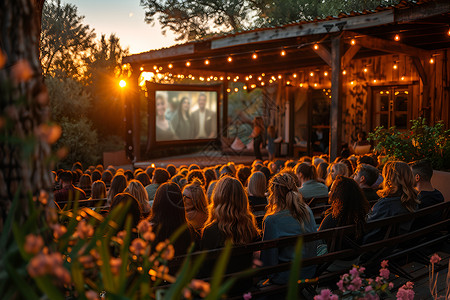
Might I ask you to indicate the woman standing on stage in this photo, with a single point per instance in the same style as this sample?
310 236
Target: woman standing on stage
257 135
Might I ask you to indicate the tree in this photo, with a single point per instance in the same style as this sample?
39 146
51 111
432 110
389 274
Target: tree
194 19
25 132
66 42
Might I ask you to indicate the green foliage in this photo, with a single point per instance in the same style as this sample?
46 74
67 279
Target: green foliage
192 20
80 139
421 142
66 43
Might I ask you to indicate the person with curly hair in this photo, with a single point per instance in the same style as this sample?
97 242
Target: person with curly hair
287 215
398 196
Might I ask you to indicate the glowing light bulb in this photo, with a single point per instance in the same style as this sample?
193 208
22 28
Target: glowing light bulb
228 90
353 42
283 53
244 87
206 61
316 46
236 90
311 74
397 38
403 78
352 82
431 60
315 84
344 72
374 81
262 83
325 73
294 75
229 59
170 66
395 66
279 76
142 68
255 56
365 70
188 64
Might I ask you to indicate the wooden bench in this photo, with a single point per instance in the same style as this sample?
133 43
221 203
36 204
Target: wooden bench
336 238
93 203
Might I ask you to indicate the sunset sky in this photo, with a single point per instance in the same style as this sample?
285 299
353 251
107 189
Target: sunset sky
126 19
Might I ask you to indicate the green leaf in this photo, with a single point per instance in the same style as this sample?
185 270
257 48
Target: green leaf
295 271
8 223
20 282
48 287
219 271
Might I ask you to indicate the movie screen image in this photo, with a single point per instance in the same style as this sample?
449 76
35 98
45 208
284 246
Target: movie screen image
185 115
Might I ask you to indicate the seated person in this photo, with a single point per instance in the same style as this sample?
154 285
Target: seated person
309 186
68 191
361 146
398 196
195 203
256 189
348 207
365 177
230 219
160 176
134 210
428 195
287 215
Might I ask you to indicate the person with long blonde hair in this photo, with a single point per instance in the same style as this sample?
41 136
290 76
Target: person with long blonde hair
334 170
137 190
195 204
398 196
230 219
287 215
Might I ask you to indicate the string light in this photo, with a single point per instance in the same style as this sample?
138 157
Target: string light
259 78
397 38
395 66
374 81
344 72
188 64
262 83
255 56
236 90
431 60
246 78
365 70
294 75
316 46
253 86
250 76
403 77
244 87
263 74
160 68
325 73
352 82
228 90
448 32
229 59
301 84
155 67
221 78
237 77
311 74
170 66
315 84
353 42
279 77
288 82
283 53
142 68
206 61
228 77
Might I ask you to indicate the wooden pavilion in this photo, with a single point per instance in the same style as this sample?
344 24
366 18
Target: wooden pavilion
343 74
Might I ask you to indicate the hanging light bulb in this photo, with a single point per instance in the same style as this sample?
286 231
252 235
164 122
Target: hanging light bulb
396 38
395 66
294 75
229 59
142 68
316 46
283 52
206 61
344 72
325 73
432 60
170 66
311 74
255 56
365 70
353 42
188 64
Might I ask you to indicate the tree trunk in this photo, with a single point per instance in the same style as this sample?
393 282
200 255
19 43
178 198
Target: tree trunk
24 130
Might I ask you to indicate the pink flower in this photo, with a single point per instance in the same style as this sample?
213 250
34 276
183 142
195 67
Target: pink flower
201 286
58 231
368 288
357 282
405 294
361 269
247 296
435 259
168 252
33 243
409 285
384 273
351 287
62 274
340 285
391 285
354 272
37 265
384 263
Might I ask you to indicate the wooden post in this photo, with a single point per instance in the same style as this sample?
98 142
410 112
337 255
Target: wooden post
336 95
151 109
224 128
291 99
309 106
136 116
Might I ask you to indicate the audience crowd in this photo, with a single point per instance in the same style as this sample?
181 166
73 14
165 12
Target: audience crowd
216 205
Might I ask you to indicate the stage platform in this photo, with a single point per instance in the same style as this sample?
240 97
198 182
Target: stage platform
203 159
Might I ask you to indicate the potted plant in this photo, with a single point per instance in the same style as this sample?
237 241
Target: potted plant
422 141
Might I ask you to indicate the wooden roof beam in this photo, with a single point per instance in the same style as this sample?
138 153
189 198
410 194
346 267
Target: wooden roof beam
385 45
323 52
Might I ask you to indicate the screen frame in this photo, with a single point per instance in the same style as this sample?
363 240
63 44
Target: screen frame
152 88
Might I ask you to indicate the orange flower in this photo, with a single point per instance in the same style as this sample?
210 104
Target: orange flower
43 197
168 253
91 295
115 264
58 231
21 71
138 246
149 236
62 274
201 286
33 243
87 261
2 59
84 230
144 226
37 265
49 133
